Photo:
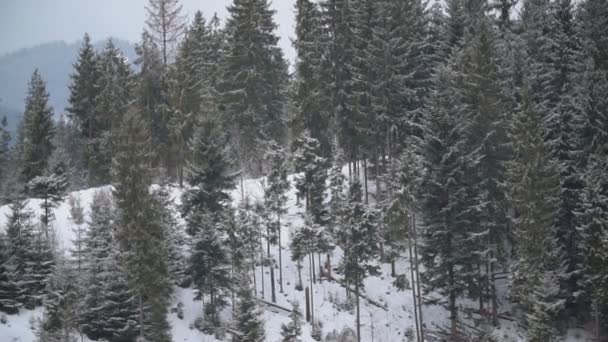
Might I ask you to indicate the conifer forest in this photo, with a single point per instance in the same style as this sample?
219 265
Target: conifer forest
421 171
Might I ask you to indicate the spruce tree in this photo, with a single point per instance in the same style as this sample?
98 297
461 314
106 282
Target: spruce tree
359 239
78 219
445 249
209 175
31 258
276 193
61 303
37 132
111 102
248 324
534 184
8 287
140 232
310 94
108 309
173 234
594 241
209 267
51 190
338 17
82 100
483 106
293 330
311 184
253 81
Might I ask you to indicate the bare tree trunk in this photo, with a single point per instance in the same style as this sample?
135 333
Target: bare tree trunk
280 256
311 275
141 314
365 178
358 310
262 264
414 288
320 268
299 265
314 274
420 302
255 283
273 294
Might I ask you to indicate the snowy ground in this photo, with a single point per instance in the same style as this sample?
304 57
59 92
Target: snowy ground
378 324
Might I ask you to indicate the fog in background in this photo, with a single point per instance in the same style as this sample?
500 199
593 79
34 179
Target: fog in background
26 23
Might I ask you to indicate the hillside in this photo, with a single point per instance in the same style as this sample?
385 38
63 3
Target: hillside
389 322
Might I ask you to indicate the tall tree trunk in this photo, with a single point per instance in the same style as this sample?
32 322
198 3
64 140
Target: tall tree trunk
320 268
314 273
262 264
299 265
311 274
420 301
280 256
328 266
365 178
141 314
414 288
358 310
273 294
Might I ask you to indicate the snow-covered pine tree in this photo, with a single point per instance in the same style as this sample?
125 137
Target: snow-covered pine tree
114 87
35 140
248 323
140 231
546 306
210 268
108 308
311 184
593 232
173 234
555 58
153 99
534 183
186 84
445 251
402 182
83 94
483 105
359 239
310 96
9 292
253 81
293 330
166 24
30 255
338 17
275 194
209 176
61 301
50 188
77 219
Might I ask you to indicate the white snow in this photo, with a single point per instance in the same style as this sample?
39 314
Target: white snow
385 325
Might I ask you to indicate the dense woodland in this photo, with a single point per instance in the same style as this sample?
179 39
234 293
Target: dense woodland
474 134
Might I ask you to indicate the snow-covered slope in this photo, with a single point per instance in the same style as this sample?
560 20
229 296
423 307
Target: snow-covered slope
380 324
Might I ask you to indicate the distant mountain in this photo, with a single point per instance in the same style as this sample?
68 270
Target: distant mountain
54 60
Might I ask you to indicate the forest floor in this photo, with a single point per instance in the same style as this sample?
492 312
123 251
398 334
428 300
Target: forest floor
387 322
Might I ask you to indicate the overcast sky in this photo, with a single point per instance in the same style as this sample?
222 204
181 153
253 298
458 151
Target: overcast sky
25 23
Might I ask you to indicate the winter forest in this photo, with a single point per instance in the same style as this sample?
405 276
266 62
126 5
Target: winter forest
422 171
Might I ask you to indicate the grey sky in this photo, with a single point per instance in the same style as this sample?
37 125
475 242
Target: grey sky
25 23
